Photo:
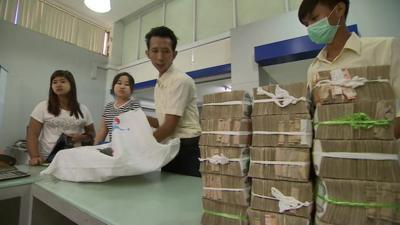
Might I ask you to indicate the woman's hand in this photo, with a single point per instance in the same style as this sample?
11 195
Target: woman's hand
76 138
36 161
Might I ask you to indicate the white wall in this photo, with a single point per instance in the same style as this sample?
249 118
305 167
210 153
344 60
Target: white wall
116 44
204 56
130 41
374 18
288 73
245 74
3 83
30 59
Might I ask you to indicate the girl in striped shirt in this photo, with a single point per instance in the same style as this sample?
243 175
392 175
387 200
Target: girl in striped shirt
122 90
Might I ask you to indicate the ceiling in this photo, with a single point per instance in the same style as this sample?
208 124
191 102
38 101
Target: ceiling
119 10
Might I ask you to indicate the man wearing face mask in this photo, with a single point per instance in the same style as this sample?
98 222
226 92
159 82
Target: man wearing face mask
326 24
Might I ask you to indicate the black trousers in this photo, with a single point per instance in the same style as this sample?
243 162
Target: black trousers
186 161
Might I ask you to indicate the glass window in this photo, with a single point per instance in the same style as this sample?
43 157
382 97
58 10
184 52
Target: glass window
130 41
8 10
154 18
213 17
179 17
254 10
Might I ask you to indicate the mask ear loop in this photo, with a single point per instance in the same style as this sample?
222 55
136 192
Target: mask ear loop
331 14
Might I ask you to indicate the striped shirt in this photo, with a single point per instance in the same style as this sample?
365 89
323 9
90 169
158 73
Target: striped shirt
111 111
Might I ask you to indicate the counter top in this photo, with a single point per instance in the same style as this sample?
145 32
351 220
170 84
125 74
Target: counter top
34 176
157 198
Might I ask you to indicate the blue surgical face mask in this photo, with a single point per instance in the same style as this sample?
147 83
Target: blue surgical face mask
322 32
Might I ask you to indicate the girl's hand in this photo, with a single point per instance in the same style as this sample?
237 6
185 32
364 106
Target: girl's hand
75 138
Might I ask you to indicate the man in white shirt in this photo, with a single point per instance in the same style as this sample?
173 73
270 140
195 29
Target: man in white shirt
326 24
175 101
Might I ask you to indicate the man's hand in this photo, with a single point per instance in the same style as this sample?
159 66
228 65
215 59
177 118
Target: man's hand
167 128
153 122
76 138
36 161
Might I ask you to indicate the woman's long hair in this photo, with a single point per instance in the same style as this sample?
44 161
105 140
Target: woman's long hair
54 103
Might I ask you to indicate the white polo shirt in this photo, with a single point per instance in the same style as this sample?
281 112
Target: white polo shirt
359 52
175 94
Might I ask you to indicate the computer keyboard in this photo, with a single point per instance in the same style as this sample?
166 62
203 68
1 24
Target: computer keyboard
11 173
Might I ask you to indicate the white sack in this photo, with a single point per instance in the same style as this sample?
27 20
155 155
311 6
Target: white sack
136 152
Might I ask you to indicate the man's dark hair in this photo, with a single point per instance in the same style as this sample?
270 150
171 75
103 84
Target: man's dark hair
163 32
308 6
116 78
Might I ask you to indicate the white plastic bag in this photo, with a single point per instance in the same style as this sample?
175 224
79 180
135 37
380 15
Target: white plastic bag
135 151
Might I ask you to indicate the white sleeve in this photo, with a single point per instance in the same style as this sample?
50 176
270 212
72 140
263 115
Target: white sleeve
39 111
88 116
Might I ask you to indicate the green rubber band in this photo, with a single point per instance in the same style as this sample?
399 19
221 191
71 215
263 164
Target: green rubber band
356 120
226 215
360 204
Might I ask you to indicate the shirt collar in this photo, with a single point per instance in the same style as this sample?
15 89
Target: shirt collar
353 44
165 75
118 107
